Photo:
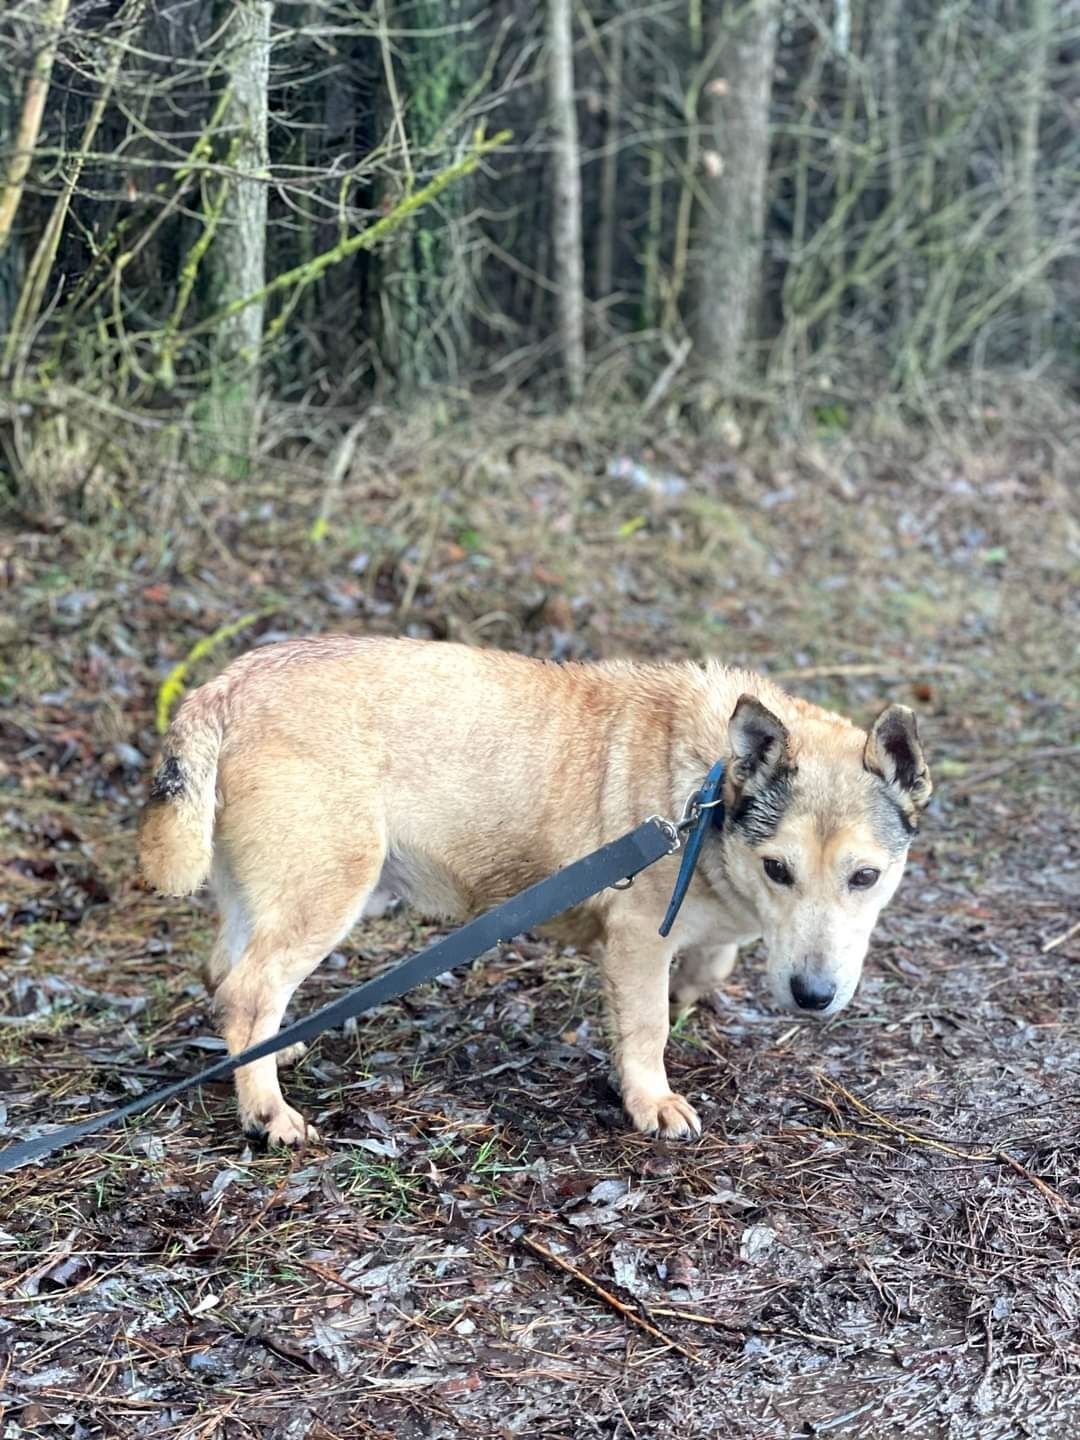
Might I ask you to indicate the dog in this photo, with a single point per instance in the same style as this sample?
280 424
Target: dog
316 776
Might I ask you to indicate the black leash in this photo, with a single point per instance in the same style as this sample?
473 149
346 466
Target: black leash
619 861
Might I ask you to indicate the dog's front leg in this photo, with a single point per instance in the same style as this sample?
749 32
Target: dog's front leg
636 968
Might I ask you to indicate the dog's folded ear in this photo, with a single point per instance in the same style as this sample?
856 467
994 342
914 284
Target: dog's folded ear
759 745
894 752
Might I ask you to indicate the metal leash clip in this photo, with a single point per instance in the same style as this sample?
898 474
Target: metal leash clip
693 808
669 829
696 821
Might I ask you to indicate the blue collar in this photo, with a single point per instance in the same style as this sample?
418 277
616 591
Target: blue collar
704 809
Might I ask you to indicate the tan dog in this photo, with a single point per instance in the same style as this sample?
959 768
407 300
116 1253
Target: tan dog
316 775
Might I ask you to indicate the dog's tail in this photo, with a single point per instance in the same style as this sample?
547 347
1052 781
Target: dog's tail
176 829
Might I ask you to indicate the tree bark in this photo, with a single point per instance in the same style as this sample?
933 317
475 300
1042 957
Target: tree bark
10 254
609 182
26 134
740 46
891 16
43 260
566 196
1038 296
427 285
236 261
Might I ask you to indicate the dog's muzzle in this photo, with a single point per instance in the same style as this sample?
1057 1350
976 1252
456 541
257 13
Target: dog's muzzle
811 993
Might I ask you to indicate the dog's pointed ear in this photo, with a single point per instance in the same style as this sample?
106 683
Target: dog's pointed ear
758 742
894 752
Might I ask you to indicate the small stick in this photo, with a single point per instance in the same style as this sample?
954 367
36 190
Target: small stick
912 1136
325 1273
1040 1185
626 1311
975 1155
1022 757
663 382
262 1212
1060 939
730 1327
427 546
215 1419
626 1418
816 672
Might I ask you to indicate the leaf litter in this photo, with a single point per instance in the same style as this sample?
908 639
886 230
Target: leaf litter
877 1234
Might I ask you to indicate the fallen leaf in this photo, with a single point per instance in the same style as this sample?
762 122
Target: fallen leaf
756 1240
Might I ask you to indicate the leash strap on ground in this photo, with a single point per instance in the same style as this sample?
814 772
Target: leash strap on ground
622 859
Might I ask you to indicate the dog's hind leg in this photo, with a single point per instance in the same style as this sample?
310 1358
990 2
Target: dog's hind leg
233 938
251 1002
698 973
234 931
300 904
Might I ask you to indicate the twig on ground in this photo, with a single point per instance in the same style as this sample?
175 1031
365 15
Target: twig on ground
914 1138
664 381
1060 939
899 668
626 1311
789 1332
336 472
262 1212
422 560
1040 1185
1022 757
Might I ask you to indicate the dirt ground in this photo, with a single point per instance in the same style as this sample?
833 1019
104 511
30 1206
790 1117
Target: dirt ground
877 1234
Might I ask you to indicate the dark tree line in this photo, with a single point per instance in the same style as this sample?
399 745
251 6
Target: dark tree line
204 204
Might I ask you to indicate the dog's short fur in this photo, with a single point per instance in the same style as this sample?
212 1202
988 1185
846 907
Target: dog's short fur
316 776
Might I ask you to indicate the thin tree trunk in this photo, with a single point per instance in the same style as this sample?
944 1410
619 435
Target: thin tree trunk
1038 297
34 288
654 239
427 287
37 88
11 254
742 38
235 265
682 238
845 191
609 182
566 198
894 123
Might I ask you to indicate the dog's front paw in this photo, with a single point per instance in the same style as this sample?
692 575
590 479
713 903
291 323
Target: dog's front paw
291 1054
284 1126
669 1115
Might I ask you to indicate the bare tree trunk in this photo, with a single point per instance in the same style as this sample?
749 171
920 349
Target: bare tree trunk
37 88
609 183
566 198
10 254
427 285
34 289
1038 297
236 261
894 130
741 43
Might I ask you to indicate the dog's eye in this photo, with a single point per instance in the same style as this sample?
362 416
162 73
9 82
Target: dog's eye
864 879
778 872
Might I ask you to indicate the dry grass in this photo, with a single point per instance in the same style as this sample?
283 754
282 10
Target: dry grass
877 1234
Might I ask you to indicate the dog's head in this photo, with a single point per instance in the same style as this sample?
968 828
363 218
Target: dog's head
819 819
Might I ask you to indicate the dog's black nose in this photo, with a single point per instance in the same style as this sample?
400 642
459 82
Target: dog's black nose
812 994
